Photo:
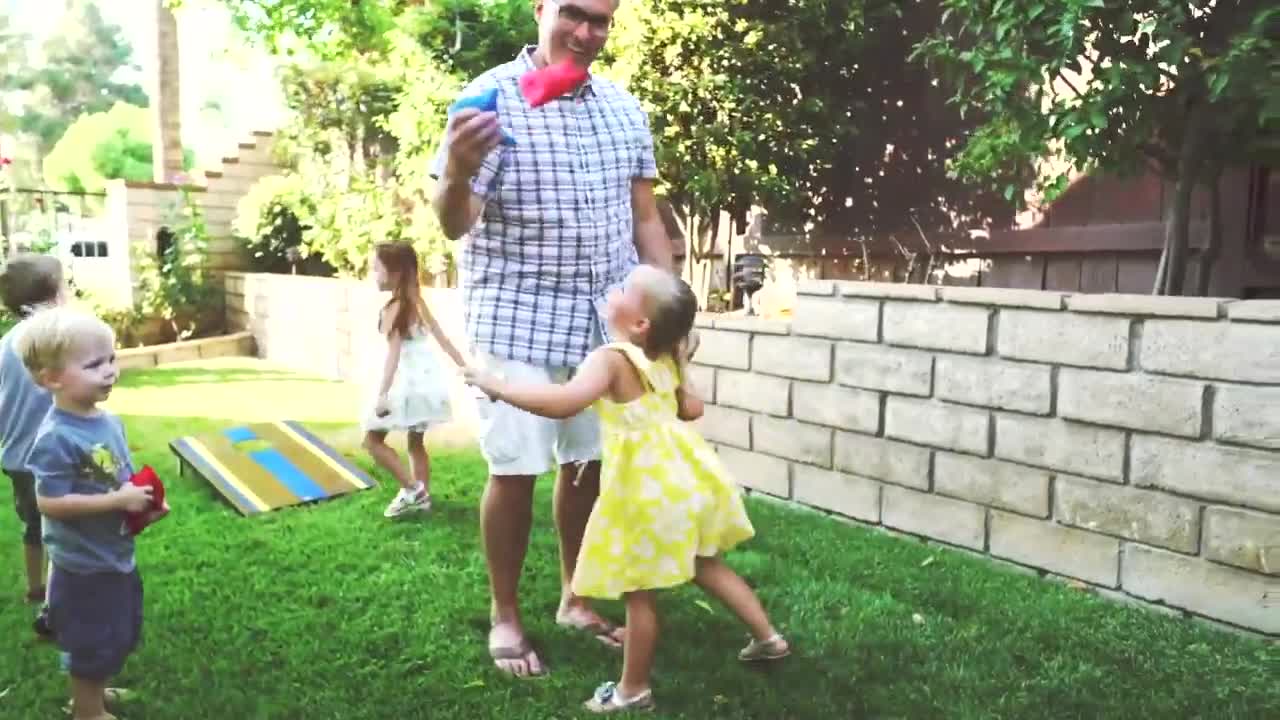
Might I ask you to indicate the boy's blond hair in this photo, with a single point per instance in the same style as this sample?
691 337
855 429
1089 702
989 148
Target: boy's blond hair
50 335
29 279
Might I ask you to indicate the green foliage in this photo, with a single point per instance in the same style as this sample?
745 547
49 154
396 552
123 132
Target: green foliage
103 146
323 29
369 99
7 320
175 287
808 108
340 107
272 220
468 37
1111 87
346 156
75 77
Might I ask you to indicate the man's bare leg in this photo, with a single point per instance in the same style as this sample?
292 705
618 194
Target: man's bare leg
506 517
577 488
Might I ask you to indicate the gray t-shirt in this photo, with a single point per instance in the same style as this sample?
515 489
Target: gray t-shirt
23 404
80 455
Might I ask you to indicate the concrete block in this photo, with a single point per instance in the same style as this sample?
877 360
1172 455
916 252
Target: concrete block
877 367
927 422
1061 445
1063 550
1024 387
1064 338
879 459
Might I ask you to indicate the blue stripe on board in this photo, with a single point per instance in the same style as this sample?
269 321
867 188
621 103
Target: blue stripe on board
289 475
213 476
239 434
317 444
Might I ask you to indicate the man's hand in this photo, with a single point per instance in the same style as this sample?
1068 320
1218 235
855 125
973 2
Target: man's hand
470 136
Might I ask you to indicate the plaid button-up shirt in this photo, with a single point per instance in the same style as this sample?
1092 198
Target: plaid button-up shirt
556 233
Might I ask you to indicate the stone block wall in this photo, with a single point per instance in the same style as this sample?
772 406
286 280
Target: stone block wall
1128 442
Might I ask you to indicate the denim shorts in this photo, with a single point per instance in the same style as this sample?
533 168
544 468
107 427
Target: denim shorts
96 619
24 502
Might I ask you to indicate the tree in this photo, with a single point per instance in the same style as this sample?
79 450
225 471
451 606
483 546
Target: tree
1187 88
13 59
325 29
80 60
369 90
167 113
468 37
103 146
807 108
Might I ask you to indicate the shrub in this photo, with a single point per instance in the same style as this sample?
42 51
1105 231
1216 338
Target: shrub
272 220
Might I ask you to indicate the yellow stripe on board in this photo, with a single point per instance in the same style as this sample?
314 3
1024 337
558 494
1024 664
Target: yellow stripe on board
207 456
337 467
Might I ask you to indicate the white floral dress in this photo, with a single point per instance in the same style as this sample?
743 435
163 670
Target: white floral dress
419 394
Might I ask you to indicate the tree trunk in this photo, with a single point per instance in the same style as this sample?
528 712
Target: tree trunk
1177 234
166 106
1162 269
1210 254
1178 219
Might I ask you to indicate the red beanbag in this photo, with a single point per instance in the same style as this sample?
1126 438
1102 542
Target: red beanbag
543 85
136 522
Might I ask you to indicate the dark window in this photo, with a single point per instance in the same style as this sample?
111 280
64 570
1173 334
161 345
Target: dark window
86 249
164 241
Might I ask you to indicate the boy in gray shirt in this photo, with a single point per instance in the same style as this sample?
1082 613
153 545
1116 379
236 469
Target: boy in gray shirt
29 282
82 470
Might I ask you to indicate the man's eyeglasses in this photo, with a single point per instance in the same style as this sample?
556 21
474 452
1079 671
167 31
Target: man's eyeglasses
575 16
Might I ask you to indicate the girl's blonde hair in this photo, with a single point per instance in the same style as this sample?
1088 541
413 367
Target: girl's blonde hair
51 334
29 279
672 307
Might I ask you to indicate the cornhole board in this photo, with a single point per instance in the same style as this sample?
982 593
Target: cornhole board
267 466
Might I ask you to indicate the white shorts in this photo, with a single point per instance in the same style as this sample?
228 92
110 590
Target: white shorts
515 442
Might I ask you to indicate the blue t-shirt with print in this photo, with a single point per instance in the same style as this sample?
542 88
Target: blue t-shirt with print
23 404
78 455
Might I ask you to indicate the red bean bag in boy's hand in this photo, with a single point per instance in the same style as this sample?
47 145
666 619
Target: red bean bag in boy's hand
136 522
543 85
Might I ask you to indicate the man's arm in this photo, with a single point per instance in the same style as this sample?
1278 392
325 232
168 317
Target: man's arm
470 139
652 243
456 207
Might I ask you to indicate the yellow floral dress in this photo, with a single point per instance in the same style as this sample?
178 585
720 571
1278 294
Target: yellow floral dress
665 497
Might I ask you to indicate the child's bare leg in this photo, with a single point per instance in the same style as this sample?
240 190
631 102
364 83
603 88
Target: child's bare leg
88 699
642 643
34 557
419 461
375 441
729 588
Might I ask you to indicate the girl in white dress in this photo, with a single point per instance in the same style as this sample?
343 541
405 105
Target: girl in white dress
414 391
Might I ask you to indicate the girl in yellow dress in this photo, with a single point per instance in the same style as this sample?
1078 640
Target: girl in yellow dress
667 508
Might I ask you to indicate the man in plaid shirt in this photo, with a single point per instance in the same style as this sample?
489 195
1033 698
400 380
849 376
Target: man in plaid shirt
549 226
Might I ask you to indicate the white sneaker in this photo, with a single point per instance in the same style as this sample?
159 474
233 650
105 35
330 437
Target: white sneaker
405 502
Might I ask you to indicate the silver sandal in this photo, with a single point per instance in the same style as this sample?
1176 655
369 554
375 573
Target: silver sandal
774 648
608 700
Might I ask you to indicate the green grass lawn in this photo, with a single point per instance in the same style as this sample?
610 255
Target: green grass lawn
330 611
